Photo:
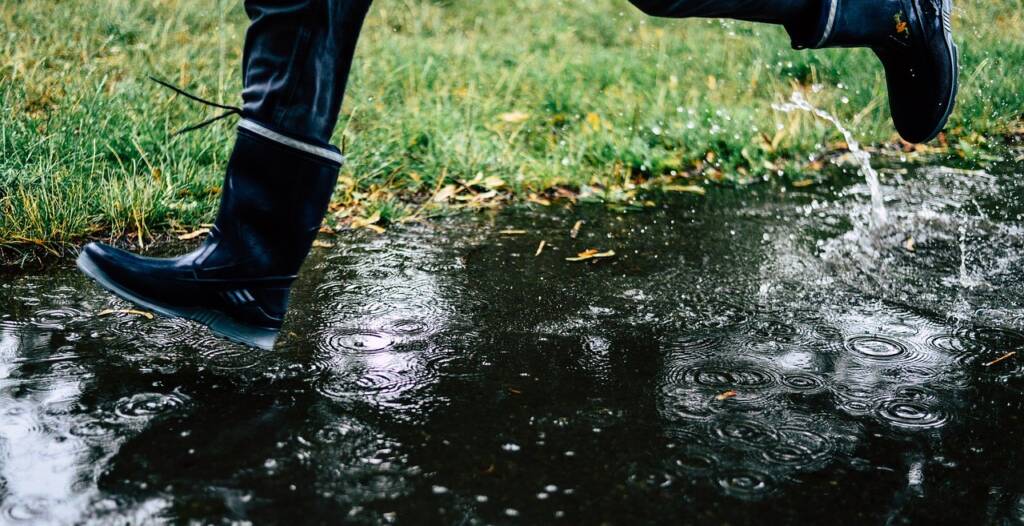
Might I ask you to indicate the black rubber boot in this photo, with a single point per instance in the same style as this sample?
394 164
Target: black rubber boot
237 282
914 41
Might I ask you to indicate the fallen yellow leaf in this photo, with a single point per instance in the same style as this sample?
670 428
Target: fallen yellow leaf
591 253
691 188
147 315
361 222
726 395
576 229
566 193
803 182
477 197
194 234
494 181
534 198
445 193
368 223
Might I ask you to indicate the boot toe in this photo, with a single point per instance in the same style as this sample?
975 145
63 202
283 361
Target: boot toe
134 277
109 259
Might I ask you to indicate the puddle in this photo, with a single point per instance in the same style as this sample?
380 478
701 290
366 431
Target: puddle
742 358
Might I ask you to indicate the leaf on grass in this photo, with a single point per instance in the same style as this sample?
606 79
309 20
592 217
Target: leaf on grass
194 234
369 223
534 198
566 193
445 193
803 183
592 253
576 229
514 117
511 232
540 248
493 181
476 198
726 395
361 222
106 312
322 244
690 188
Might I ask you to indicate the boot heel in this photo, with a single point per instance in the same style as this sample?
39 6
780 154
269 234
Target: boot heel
223 325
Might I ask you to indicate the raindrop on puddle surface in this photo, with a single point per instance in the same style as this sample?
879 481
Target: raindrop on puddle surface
148 404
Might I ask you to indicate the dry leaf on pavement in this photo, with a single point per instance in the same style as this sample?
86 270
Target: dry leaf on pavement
147 315
592 253
576 229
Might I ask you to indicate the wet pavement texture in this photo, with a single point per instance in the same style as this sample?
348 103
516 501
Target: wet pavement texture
748 356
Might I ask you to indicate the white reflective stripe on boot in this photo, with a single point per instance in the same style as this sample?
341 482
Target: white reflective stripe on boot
313 149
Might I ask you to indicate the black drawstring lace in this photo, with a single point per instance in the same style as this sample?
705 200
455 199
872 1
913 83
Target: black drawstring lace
232 110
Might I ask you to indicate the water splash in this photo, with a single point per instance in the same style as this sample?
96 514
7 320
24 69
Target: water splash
965 281
879 216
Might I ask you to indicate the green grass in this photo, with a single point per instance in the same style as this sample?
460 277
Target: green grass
540 94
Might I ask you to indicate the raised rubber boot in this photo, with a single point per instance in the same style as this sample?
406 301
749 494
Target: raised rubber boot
914 41
237 282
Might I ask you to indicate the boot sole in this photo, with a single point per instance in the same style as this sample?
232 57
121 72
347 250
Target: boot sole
218 322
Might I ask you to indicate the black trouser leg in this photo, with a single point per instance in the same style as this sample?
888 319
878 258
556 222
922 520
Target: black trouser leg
296 62
785 12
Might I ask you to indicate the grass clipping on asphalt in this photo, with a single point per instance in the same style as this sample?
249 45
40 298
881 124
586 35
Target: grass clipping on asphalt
452 106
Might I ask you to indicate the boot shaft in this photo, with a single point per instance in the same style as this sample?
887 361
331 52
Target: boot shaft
273 201
858 23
